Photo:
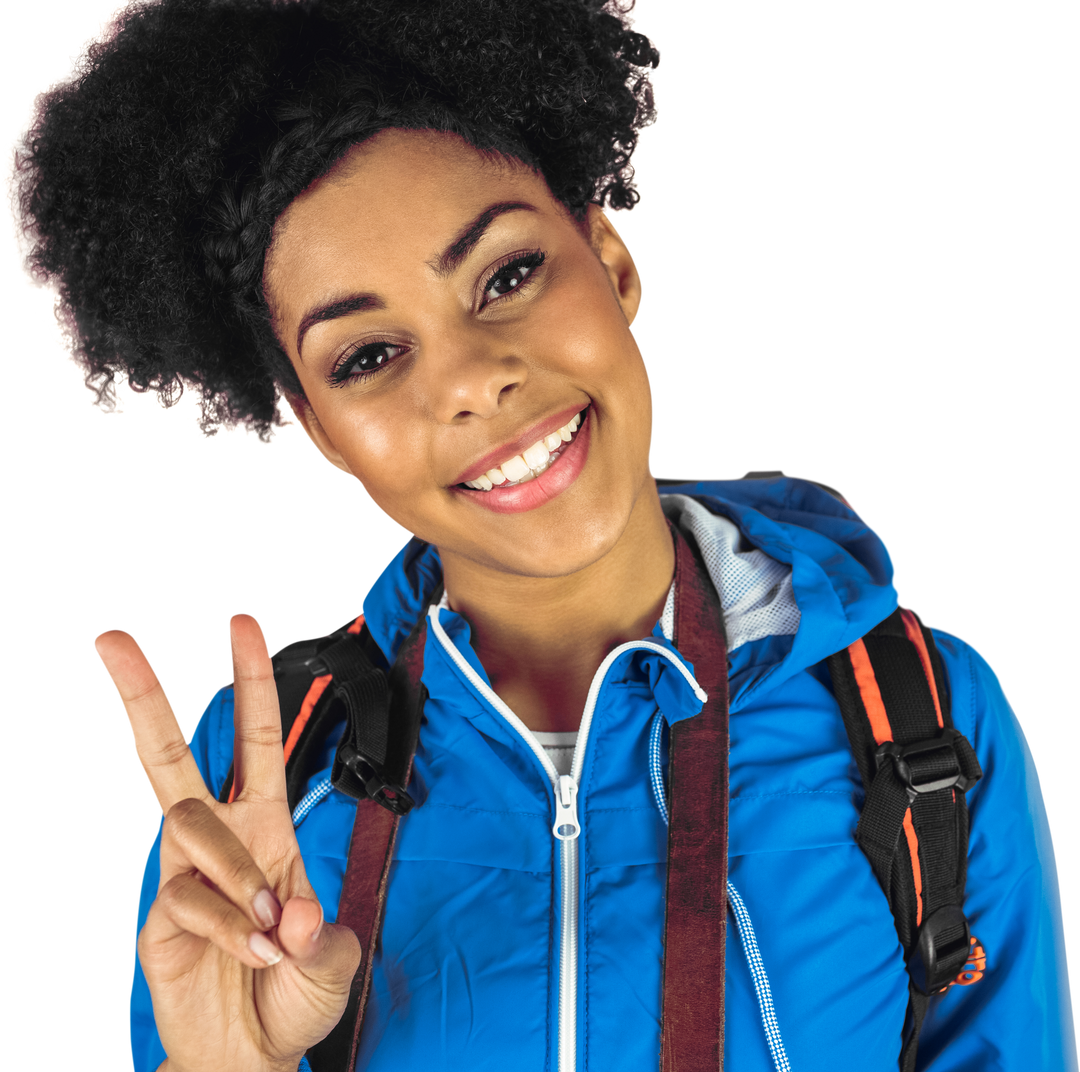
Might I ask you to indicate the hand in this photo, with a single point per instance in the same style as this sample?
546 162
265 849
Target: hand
243 972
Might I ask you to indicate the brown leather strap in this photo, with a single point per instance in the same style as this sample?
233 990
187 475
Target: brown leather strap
692 1030
367 874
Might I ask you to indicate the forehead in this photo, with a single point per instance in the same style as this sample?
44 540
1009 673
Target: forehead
396 198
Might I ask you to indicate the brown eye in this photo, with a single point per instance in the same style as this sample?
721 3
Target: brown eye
512 276
365 361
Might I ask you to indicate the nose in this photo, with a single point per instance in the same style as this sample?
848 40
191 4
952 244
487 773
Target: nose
471 374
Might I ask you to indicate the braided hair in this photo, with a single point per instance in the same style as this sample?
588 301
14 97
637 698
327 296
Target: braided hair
149 183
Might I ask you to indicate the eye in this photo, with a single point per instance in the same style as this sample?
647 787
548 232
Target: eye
529 261
375 353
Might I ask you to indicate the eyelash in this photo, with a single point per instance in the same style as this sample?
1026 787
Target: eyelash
346 370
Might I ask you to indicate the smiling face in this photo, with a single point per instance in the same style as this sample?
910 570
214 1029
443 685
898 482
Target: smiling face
449 321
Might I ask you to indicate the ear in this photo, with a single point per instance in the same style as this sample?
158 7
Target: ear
306 416
617 262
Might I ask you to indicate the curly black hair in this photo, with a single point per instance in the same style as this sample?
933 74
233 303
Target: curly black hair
149 184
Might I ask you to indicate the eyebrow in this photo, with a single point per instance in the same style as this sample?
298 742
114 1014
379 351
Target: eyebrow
446 262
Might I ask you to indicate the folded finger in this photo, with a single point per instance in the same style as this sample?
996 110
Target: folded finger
185 905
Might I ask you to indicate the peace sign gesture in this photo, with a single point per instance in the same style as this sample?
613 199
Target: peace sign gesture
243 973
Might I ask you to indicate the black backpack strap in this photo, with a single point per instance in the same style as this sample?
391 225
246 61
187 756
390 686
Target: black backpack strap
915 768
374 835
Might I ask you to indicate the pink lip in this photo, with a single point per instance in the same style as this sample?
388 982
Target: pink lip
516 446
562 472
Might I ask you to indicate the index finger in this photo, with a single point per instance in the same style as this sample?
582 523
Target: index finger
163 752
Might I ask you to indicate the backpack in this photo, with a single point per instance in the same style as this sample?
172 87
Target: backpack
913 827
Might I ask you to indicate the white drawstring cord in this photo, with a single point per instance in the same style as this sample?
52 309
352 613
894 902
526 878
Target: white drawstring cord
311 798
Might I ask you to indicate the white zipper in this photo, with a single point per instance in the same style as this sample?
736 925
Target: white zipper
567 825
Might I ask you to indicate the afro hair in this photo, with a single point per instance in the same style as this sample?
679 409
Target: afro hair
149 184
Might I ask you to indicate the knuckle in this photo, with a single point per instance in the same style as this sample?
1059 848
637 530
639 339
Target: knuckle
138 691
167 753
239 873
261 735
172 896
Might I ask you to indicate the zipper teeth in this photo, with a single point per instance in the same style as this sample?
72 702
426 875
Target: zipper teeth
568 958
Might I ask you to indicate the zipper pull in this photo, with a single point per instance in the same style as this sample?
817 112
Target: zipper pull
566 826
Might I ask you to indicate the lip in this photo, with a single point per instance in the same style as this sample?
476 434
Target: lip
543 488
516 446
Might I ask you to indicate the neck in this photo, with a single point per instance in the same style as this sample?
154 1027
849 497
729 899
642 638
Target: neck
541 639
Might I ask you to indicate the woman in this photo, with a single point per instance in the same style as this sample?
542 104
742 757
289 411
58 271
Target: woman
347 204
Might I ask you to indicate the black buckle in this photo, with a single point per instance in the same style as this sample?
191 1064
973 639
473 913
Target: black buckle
936 961
377 784
901 755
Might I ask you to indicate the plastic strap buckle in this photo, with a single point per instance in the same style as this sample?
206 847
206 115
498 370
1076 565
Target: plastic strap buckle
941 951
918 764
377 784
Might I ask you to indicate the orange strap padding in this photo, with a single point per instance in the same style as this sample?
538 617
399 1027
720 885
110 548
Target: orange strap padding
916 867
356 626
870 693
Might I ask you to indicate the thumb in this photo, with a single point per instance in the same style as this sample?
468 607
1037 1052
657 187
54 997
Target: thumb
328 954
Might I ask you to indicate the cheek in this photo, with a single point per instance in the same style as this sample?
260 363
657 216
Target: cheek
581 329
385 455
374 455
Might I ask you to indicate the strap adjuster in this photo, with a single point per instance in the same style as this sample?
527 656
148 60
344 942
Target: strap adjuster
375 780
941 951
919 764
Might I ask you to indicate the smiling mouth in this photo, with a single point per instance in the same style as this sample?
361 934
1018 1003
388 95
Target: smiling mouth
531 462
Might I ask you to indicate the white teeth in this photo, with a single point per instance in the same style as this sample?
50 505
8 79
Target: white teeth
530 463
517 466
535 457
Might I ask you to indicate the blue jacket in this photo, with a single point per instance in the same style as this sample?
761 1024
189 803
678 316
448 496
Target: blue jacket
469 967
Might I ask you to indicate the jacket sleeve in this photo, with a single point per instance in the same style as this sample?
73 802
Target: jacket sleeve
1018 1016
212 747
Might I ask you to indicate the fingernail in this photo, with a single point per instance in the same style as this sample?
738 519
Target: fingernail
267 909
264 949
318 930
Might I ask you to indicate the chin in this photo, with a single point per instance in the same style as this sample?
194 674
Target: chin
556 550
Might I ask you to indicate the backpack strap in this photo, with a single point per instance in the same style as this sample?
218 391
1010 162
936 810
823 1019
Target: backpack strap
340 685
374 834
915 768
695 925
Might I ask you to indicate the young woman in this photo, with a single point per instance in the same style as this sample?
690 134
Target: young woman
355 206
